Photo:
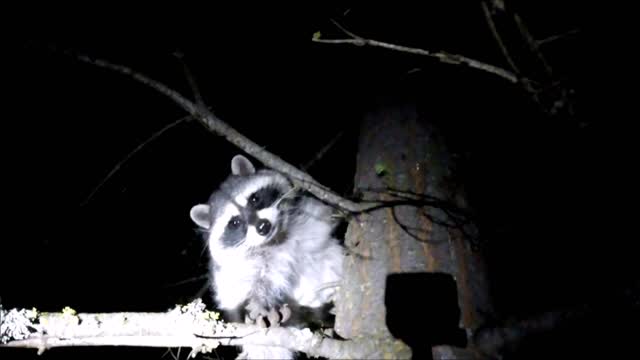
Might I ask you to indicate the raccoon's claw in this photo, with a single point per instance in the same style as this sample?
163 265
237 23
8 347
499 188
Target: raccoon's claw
260 322
277 317
258 314
285 311
274 318
254 311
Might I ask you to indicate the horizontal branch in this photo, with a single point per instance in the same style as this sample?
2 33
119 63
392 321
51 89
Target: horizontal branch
441 56
185 326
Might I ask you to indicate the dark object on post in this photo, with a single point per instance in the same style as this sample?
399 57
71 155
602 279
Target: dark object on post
422 310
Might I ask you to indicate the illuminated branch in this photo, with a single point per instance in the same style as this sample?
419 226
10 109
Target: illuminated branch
185 326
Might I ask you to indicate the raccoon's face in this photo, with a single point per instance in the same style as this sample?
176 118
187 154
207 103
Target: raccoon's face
246 211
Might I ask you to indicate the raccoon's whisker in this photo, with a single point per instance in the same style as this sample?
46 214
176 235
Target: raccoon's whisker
286 195
328 286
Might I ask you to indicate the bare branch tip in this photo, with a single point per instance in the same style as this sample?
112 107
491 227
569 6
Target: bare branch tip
344 30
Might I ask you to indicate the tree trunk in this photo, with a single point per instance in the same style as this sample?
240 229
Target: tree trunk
432 276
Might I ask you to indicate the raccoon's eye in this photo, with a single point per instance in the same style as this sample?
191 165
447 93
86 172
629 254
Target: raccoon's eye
234 222
254 199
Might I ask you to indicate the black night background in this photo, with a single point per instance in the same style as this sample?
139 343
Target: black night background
543 186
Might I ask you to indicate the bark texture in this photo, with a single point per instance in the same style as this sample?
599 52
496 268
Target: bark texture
401 151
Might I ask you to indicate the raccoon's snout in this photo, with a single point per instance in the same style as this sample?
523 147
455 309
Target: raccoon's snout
263 227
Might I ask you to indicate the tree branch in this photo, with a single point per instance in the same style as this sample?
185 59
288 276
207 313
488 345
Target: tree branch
441 56
219 127
185 326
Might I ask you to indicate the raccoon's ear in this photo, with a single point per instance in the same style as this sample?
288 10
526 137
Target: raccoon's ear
201 215
240 165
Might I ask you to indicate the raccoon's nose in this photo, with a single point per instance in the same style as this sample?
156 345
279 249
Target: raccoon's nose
263 227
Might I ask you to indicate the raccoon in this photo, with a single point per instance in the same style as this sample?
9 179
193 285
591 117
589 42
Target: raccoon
273 256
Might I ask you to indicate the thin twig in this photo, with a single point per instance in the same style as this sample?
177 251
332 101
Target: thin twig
117 167
359 42
533 44
441 56
553 38
187 281
323 151
496 35
190 79
344 30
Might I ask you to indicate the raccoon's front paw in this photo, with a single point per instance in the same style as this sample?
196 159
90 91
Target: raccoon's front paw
256 314
279 315
259 315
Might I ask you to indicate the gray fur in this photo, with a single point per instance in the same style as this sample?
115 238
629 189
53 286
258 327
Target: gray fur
297 260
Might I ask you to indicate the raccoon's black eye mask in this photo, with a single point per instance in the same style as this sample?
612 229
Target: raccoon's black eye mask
234 232
264 198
